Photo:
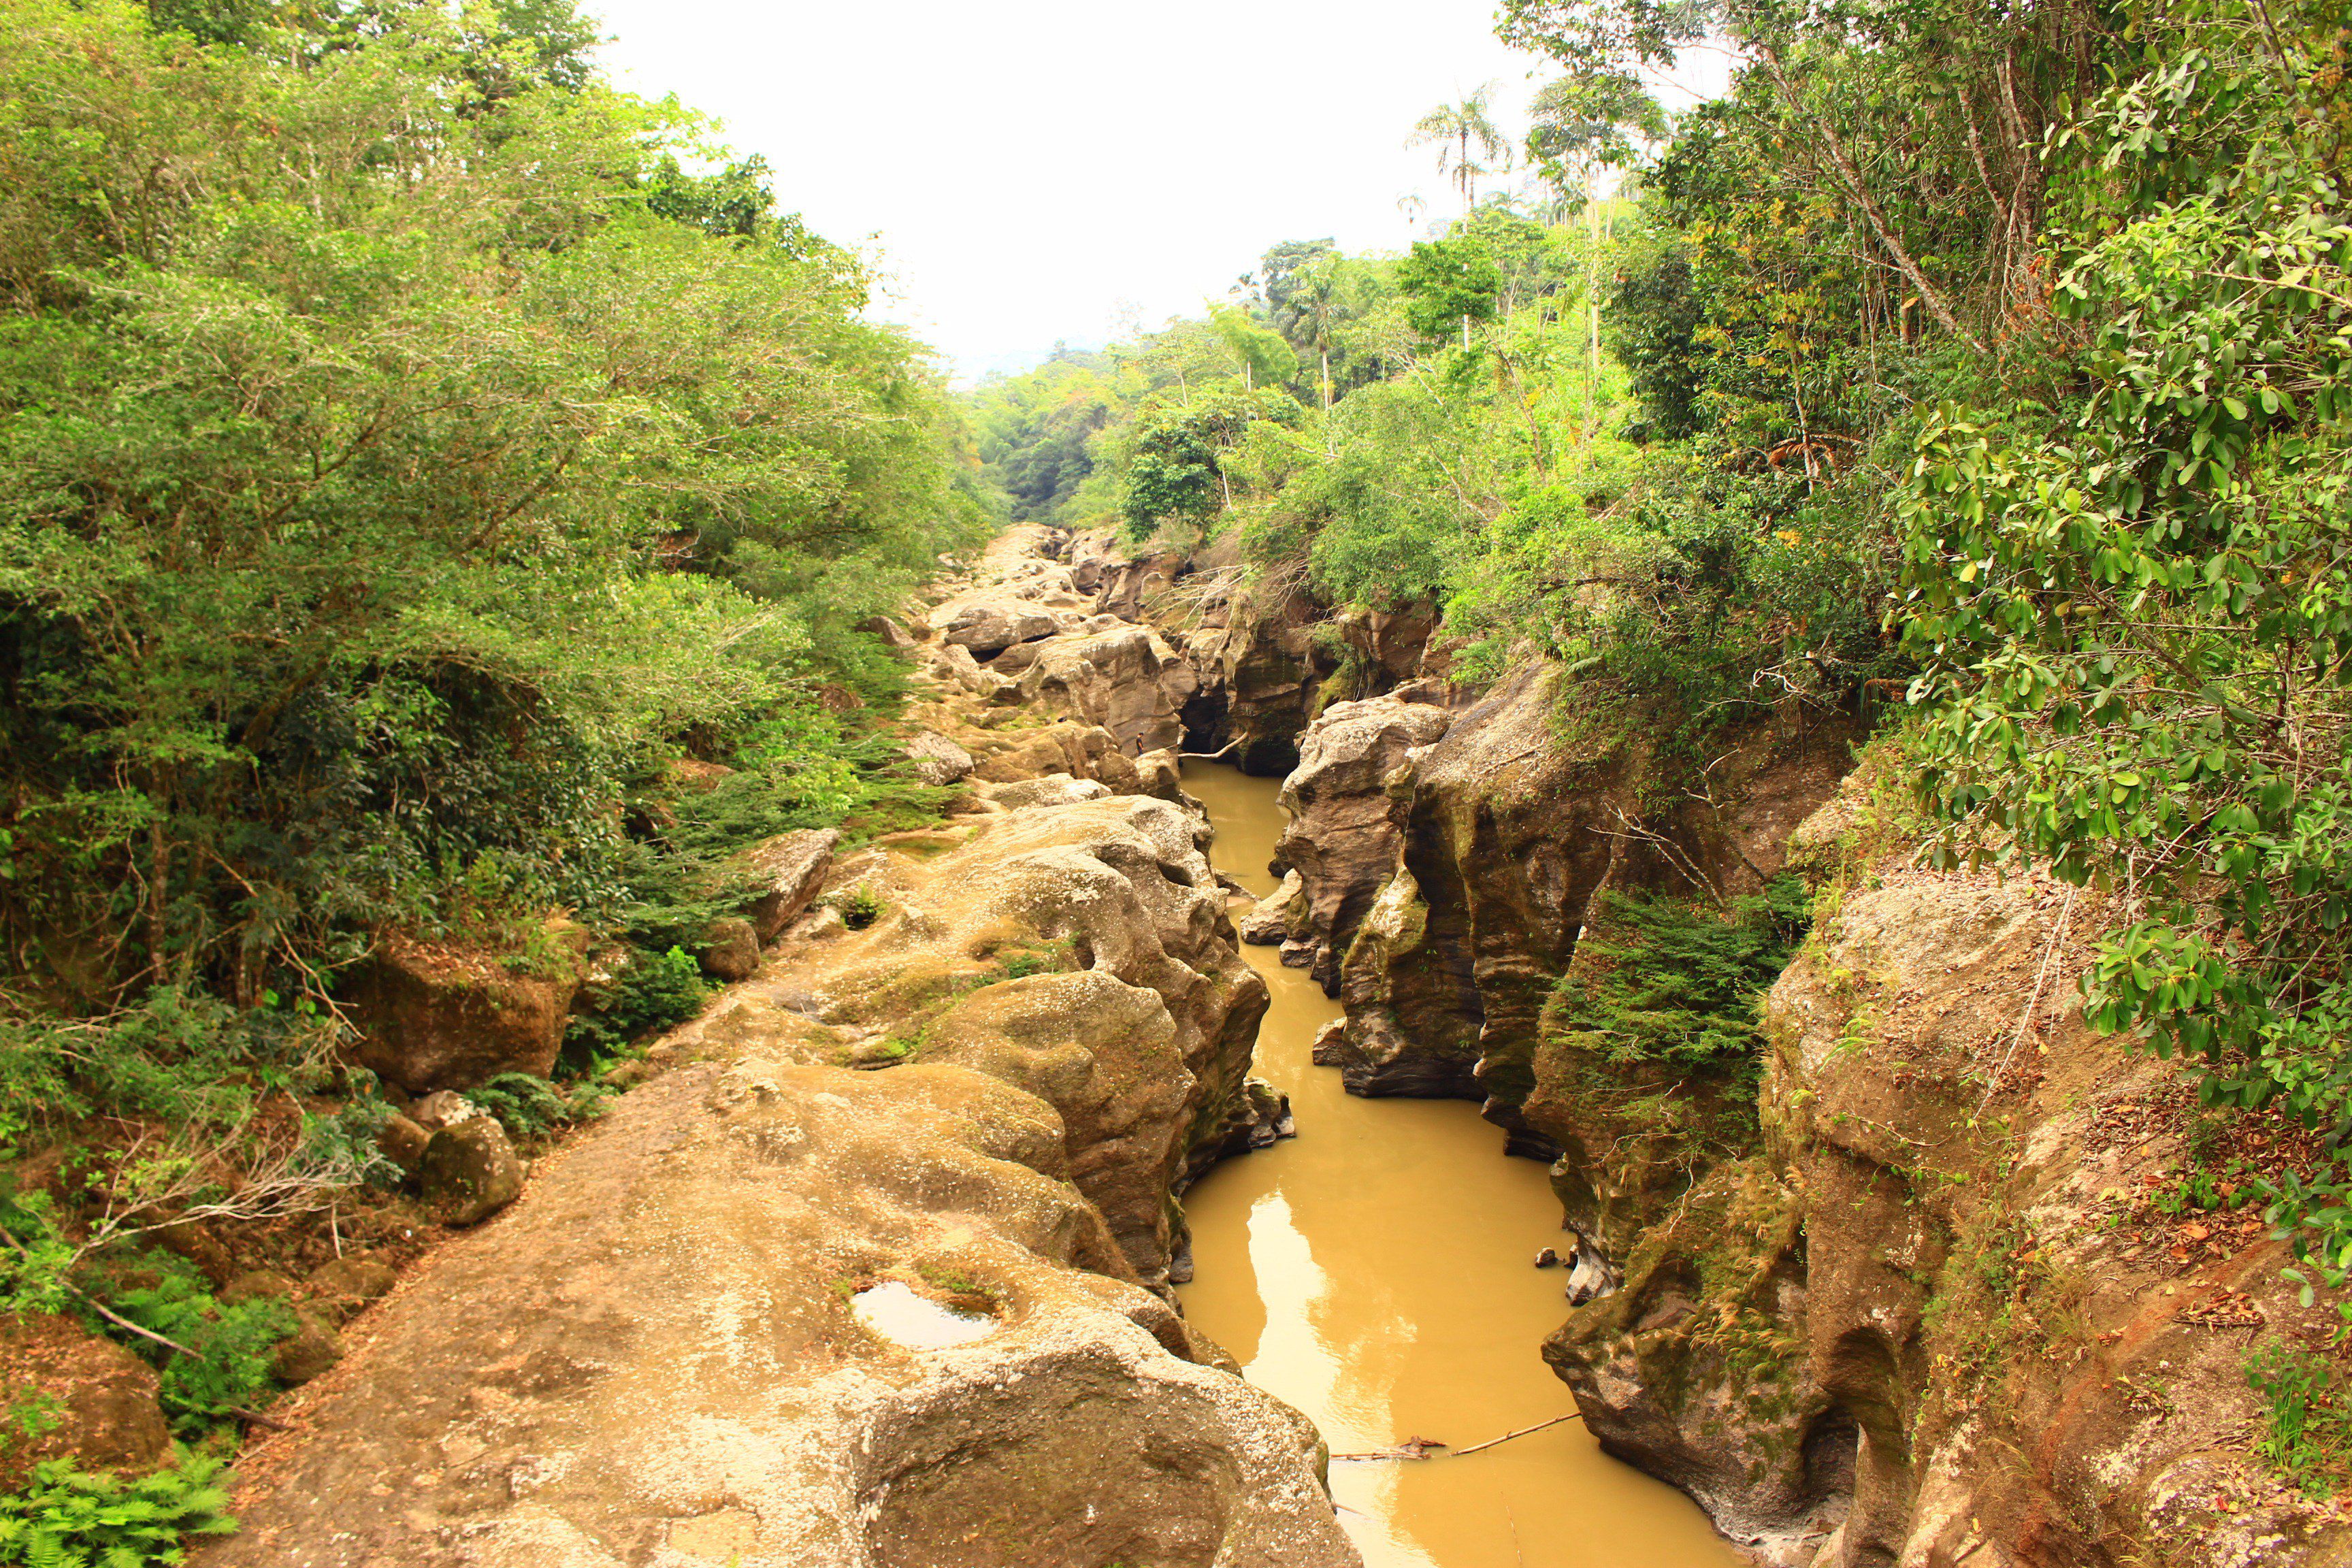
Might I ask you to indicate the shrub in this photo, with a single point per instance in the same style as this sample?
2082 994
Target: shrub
1677 981
71 1519
655 991
230 1345
2308 1424
530 1108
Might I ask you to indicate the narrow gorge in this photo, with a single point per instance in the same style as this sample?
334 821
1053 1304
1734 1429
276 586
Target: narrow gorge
1643 862
917 1250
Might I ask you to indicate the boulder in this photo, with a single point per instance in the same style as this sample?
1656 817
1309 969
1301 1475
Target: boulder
470 1172
257 1285
789 869
442 1016
1129 682
1160 774
993 632
309 1352
343 1286
98 1400
890 632
730 950
954 662
1349 802
937 759
402 1141
1053 789
1269 924
443 1107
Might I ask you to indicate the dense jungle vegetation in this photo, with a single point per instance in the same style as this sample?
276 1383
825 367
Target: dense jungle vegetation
1989 362
410 448
414 452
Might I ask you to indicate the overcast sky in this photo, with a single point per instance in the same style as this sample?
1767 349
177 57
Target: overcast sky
1037 169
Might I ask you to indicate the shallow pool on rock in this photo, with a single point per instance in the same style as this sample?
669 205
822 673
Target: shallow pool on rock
904 1317
1378 1273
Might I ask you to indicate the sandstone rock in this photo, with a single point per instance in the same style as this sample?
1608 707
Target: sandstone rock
622 1076
1065 746
1129 682
257 1285
1051 790
1160 774
438 1016
1009 663
1273 919
989 634
657 1354
955 662
402 1141
443 1107
311 1351
1348 802
937 760
890 632
98 1398
790 871
470 1171
730 950
343 1286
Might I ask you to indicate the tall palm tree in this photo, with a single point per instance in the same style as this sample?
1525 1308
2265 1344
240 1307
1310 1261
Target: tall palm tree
1467 140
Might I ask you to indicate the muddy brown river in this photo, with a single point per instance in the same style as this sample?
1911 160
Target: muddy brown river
1377 1272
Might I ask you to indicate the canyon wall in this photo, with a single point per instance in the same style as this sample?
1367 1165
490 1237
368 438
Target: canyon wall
1920 1292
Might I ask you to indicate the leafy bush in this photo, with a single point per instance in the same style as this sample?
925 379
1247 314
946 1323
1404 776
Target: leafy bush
2307 1421
1677 981
228 1369
653 992
530 1108
71 1519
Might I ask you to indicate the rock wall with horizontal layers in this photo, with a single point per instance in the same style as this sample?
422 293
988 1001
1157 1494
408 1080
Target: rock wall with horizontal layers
670 1349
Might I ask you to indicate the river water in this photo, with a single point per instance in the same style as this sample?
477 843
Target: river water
1377 1272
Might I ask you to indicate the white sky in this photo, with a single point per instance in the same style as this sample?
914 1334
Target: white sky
1037 169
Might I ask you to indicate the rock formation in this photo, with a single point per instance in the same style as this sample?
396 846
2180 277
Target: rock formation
985 1099
1912 1324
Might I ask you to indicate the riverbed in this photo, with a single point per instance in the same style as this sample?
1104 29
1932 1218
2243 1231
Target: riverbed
1378 1273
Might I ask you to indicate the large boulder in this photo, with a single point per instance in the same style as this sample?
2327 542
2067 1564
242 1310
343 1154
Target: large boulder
470 1171
730 950
447 1015
789 872
1347 802
937 759
1269 922
1129 682
95 1402
992 630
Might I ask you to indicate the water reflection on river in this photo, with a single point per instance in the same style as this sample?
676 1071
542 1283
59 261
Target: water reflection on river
1376 1272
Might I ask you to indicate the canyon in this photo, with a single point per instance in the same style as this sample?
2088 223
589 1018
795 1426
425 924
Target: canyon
1891 1301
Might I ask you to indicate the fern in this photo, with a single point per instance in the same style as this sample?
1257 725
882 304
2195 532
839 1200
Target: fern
67 1517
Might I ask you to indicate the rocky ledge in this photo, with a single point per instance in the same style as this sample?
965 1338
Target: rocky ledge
876 1272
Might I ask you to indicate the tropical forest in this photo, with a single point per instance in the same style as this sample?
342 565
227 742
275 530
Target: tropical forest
1660 877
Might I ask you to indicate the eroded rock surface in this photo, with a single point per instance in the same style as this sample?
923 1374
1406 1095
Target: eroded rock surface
1908 1328
988 1096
